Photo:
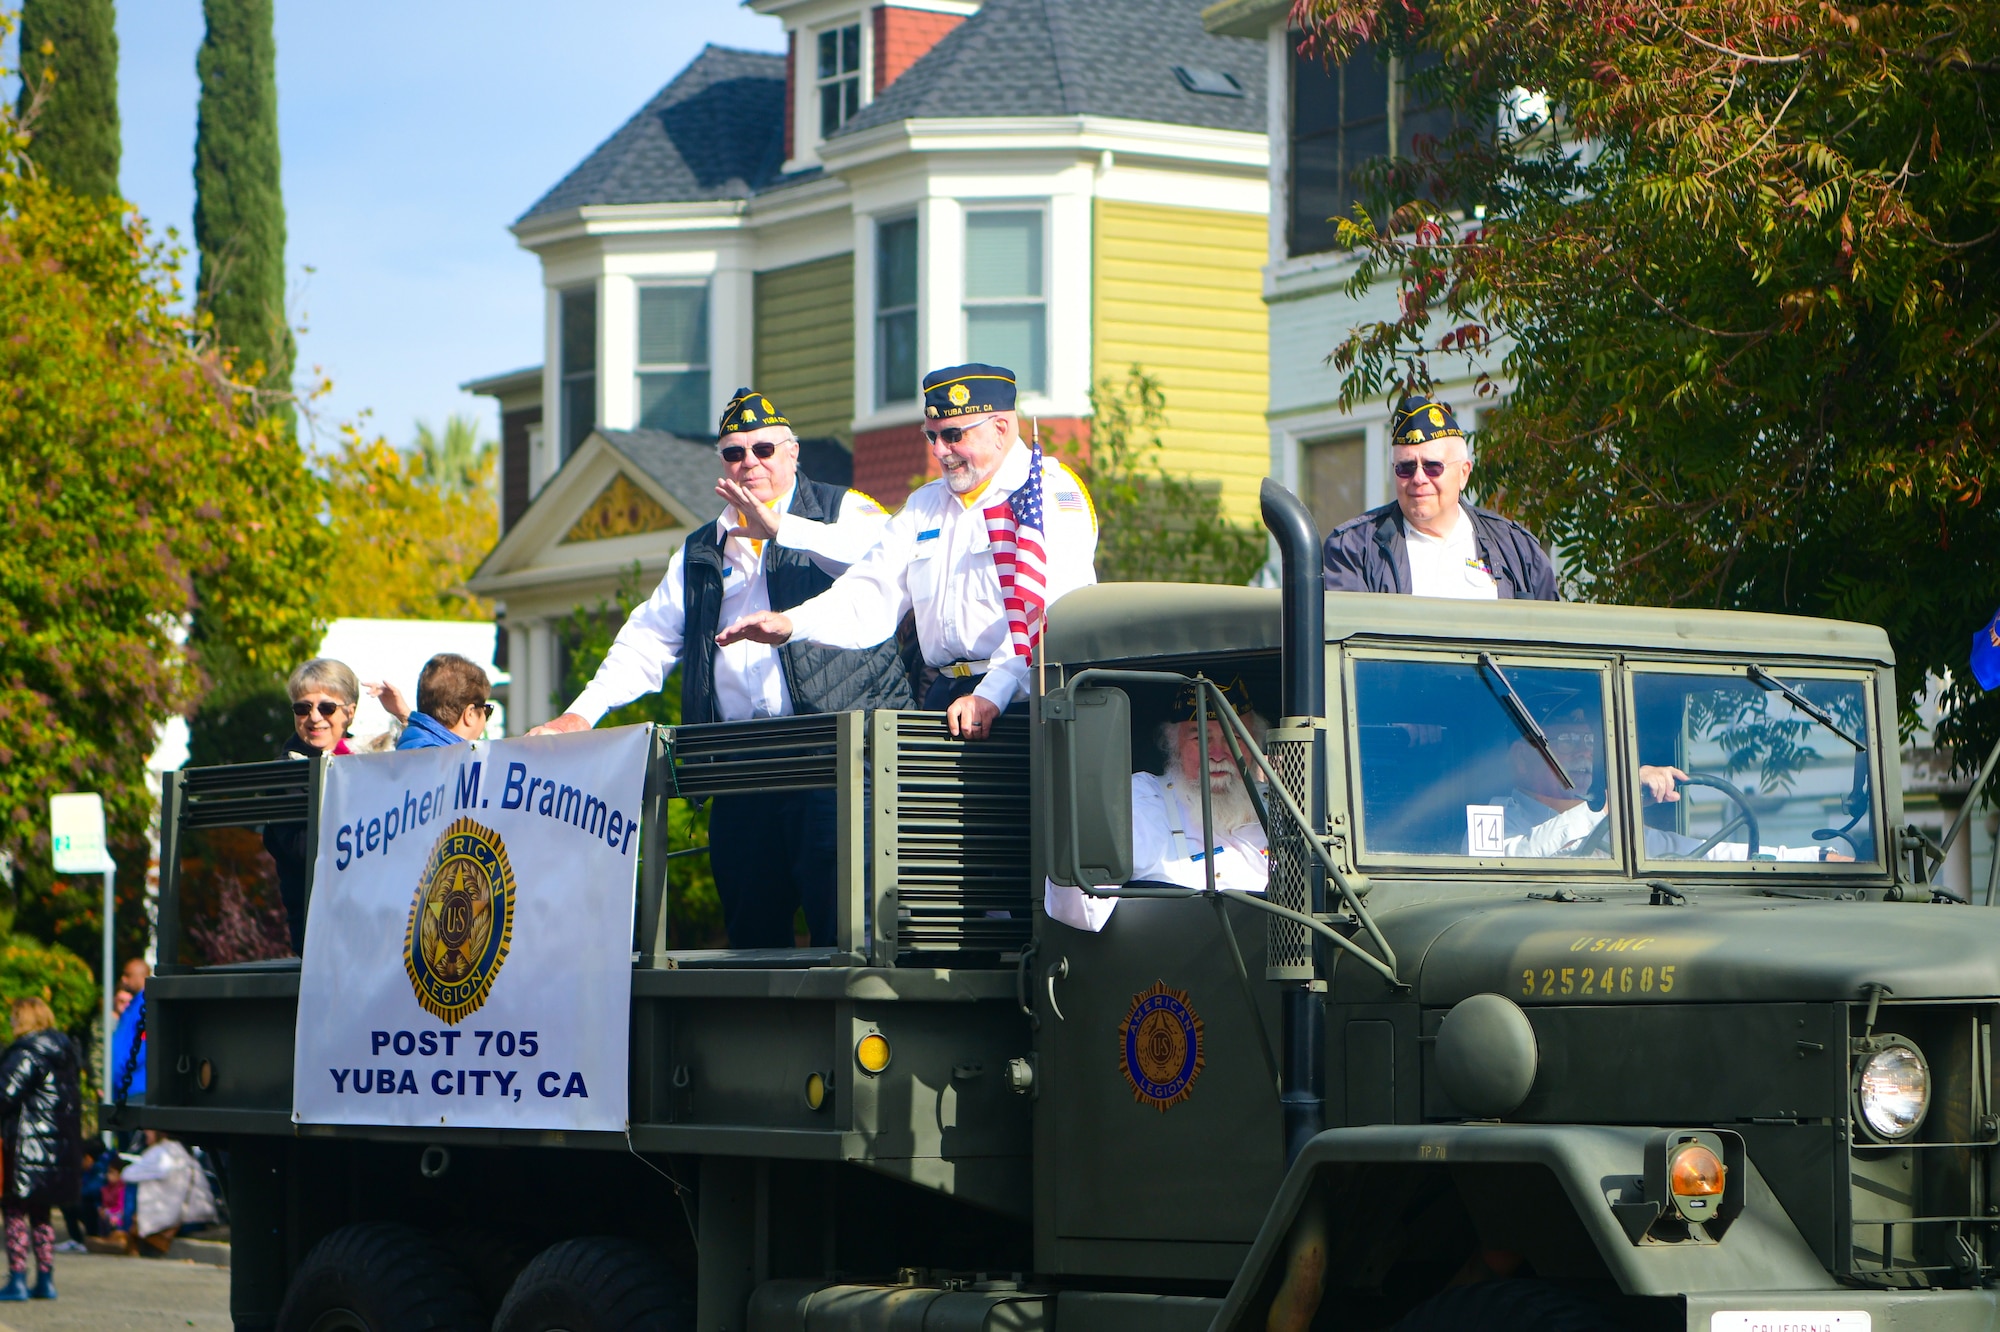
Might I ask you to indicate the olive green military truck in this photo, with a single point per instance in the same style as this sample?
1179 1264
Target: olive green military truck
1596 985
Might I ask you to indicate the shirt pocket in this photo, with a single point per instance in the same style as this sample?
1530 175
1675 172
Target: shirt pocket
923 575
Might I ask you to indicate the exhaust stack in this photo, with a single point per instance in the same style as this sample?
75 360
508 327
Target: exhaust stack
1298 880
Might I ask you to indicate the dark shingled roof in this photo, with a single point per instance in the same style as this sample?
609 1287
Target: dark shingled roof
1078 57
685 468
716 132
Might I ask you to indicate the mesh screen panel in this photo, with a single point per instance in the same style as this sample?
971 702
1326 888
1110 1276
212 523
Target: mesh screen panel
1290 945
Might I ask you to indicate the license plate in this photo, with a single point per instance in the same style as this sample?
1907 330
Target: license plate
1786 1320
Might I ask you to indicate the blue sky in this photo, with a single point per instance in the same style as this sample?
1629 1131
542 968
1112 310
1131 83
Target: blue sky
413 134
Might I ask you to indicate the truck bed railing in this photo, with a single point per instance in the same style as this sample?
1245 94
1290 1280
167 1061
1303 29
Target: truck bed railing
932 832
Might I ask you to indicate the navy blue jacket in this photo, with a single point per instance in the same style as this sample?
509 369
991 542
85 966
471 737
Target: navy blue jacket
1371 554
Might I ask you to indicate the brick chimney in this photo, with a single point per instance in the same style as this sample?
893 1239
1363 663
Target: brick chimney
902 36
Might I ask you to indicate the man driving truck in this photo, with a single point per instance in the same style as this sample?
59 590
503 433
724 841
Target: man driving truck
1546 817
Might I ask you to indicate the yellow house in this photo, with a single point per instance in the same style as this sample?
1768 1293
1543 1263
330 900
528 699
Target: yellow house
1065 187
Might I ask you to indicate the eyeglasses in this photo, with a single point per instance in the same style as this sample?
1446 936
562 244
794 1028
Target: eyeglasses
953 434
326 708
486 707
1433 468
763 448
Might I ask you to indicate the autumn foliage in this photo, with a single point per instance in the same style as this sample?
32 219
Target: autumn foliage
146 498
1742 259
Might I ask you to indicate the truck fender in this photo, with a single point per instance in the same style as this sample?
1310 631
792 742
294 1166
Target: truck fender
1552 1193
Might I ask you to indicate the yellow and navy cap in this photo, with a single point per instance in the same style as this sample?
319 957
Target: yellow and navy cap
968 390
1420 419
1235 691
749 410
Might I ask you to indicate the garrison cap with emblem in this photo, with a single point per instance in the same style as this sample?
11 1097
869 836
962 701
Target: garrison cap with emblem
1419 419
749 410
968 390
1235 691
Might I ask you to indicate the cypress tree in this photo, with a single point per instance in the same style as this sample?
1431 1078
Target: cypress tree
75 128
239 208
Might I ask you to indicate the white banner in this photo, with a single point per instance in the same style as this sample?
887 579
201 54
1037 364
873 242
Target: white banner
468 956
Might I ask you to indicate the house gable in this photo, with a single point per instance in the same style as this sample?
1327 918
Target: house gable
625 497
620 509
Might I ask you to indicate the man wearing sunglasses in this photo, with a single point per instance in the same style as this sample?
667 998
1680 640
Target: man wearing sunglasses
452 704
937 561
1431 542
781 540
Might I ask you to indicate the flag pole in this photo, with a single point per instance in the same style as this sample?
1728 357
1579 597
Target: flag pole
1041 674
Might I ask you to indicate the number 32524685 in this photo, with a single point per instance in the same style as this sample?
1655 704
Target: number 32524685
1609 982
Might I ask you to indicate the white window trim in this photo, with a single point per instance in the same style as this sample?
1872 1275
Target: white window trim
806 137
966 304
875 312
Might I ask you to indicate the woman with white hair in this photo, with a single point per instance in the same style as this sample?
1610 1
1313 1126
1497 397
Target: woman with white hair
324 694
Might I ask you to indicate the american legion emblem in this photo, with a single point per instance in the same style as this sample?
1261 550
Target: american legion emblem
461 921
959 395
1159 1047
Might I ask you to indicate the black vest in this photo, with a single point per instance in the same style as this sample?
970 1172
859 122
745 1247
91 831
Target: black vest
819 679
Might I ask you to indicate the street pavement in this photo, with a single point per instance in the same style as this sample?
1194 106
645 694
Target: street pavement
104 1293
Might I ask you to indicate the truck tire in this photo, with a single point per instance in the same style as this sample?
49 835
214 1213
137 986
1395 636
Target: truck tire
1506 1306
378 1277
596 1285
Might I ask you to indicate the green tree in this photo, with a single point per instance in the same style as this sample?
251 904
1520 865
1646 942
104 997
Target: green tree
1153 526
456 458
412 525
239 207
69 93
152 530
1748 279
694 912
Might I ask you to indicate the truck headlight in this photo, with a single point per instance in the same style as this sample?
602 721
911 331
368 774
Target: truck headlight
1893 1089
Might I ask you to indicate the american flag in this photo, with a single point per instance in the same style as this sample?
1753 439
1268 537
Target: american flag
1015 531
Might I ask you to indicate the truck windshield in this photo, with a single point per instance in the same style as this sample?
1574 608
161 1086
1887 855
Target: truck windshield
1447 770
1730 770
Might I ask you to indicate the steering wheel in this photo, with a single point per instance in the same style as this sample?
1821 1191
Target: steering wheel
1595 843
1746 818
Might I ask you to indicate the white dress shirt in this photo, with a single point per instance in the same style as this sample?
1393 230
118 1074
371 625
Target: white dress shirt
1449 566
1539 830
935 560
1166 848
749 677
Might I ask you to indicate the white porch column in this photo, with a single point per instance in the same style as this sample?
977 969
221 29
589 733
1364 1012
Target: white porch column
532 651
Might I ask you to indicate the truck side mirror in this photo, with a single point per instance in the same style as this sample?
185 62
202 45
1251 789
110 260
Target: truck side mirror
1089 821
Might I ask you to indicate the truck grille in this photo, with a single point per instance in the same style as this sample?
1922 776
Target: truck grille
951 833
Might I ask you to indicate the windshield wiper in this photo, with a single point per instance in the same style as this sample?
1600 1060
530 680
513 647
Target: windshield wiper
1530 729
1763 679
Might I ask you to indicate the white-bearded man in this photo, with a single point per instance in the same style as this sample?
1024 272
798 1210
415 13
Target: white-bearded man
1166 817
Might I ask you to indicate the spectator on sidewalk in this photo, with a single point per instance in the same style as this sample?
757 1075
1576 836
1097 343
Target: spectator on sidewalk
128 1050
43 1106
173 1192
452 704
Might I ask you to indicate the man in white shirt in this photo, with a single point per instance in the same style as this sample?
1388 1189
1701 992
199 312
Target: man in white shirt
1431 542
1166 818
782 539
1545 818
948 559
